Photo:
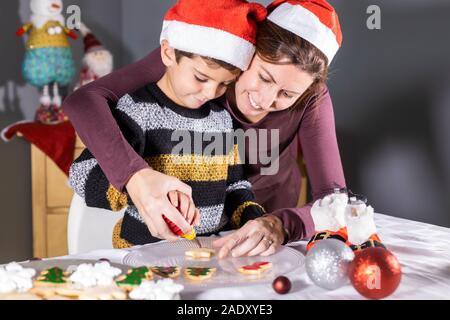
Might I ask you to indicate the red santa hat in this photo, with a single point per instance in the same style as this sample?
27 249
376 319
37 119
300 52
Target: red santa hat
221 29
313 20
91 43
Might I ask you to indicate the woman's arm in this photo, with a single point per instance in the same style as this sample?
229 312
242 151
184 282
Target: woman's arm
88 109
321 154
320 151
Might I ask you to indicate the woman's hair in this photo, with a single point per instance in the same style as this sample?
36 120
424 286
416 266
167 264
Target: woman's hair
279 46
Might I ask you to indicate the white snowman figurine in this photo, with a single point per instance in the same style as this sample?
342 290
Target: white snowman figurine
48 58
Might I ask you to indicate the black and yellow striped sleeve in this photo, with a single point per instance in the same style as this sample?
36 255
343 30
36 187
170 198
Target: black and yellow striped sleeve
88 181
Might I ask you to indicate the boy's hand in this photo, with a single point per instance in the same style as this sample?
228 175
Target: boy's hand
186 207
149 191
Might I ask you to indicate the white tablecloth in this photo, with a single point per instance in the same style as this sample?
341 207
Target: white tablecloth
422 249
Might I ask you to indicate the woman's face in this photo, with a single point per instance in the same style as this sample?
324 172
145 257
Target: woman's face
267 87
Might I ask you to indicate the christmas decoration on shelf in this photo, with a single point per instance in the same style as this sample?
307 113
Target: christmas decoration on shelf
375 273
97 61
48 59
327 263
56 141
281 285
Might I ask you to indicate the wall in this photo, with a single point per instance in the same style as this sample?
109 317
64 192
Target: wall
18 101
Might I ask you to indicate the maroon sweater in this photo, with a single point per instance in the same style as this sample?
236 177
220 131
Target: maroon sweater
310 131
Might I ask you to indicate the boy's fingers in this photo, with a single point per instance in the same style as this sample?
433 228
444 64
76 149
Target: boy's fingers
164 231
191 214
173 197
174 215
182 187
197 217
184 204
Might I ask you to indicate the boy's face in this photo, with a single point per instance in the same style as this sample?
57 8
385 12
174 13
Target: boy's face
191 82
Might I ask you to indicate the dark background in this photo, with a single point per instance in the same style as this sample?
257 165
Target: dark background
390 88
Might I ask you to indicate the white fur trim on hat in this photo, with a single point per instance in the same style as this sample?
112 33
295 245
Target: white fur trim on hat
208 42
306 25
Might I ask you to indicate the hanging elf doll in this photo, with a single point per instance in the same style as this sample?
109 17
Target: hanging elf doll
48 58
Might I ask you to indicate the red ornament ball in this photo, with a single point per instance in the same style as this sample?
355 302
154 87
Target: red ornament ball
281 285
375 273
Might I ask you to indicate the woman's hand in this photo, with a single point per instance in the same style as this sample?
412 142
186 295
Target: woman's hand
262 236
186 207
149 191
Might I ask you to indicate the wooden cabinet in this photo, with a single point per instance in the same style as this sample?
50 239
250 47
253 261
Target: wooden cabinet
51 197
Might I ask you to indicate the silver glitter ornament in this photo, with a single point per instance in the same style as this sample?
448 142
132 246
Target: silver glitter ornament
327 263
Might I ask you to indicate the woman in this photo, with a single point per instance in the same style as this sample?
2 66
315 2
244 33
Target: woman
283 89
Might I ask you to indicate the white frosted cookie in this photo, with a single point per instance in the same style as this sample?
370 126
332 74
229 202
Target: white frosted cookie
165 289
87 275
200 253
256 268
199 273
15 279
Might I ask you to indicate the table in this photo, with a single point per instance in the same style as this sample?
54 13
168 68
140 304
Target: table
422 249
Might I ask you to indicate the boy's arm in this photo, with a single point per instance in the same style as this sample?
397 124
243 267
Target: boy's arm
88 181
240 205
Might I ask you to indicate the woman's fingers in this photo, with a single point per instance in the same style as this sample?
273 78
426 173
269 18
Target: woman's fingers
262 246
229 245
221 241
250 243
262 236
271 250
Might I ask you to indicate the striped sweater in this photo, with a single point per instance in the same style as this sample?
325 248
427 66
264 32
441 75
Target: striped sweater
148 119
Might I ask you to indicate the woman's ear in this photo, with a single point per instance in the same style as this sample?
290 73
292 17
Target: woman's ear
167 54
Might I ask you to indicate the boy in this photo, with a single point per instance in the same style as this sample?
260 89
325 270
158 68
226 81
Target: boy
203 56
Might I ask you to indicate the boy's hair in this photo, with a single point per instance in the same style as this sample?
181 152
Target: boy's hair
210 61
